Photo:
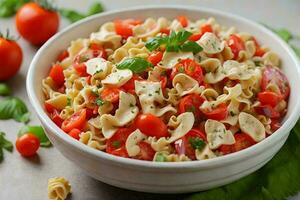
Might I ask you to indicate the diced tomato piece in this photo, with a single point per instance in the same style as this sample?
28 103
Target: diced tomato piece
98 50
219 113
206 28
189 67
236 44
195 37
129 86
110 94
155 57
74 133
242 141
77 120
183 20
165 31
64 54
184 146
259 51
81 70
146 152
269 98
191 103
272 75
49 108
124 27
55 117
57 75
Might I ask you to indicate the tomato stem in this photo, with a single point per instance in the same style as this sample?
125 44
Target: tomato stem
47 5
8 36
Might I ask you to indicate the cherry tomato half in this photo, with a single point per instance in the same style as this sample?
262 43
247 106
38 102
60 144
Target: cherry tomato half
259 51
218 113
27 145
74 133
151 125
155 57
269 98
110 94
124 27
242 141
236 44
191 103
11 57
57 75
184 146
129 86
77 120
272 75
36 24
146 151
116 144
189 67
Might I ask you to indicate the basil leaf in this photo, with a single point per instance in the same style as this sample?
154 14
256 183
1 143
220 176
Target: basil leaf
14 108
136 65
176 39
95 9
9 7
155 43
71 15
191 46
4 90
4 143
39 132
284 34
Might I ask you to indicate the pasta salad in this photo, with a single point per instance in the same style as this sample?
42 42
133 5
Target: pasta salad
167 90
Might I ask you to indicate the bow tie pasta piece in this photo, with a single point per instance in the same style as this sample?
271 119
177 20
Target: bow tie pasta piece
150 27
205 153
150 93
107 36
169 157
160 144
217 134
77 46
132 141
58 101
233 113
98 66
175 26
90 139
170 59
238 71
118 78
58 188
271 58
180 125
214 70
252 126
211 44
185 84
126 112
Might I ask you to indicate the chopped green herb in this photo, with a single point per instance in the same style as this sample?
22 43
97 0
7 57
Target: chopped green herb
160 158
163 73
136 65
197 143
100 102
69 101
181 69
14 108
98 71
157 91
116 144
257 63
38 131
191 109
232 113
4 89
95 92
131 105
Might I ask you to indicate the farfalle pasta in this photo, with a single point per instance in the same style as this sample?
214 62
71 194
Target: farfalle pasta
167 90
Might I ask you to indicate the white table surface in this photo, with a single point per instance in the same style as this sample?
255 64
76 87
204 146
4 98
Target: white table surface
26 179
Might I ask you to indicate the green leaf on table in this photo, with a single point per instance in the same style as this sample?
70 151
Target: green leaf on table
9 7
284 34
95 8
4 144
277 180
297 50
4 89
136 65
39 132
14 108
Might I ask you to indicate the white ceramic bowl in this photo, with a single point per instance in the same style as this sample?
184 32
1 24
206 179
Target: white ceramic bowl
163 177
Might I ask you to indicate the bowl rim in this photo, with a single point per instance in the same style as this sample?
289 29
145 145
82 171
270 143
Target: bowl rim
237 156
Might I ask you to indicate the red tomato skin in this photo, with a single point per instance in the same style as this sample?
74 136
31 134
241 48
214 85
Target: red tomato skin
36 24
129 86
165 31
64 54
219 113
11 57
77 120
155 57
27 145
189 67
183 146
236 44
146 152
274 75
74 133
268 111
110 94
242 141
151 125
124 27
57 75
269 98
206 28
183 20
55 117
81 70
195 37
